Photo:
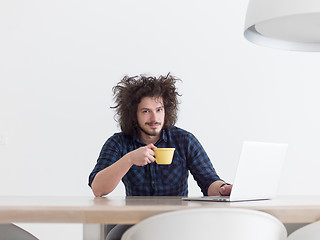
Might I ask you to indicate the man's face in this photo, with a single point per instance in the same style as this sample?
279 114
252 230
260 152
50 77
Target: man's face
150 115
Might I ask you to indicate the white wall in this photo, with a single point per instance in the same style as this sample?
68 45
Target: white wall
60 59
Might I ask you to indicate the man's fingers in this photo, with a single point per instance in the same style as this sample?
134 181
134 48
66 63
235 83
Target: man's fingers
151 146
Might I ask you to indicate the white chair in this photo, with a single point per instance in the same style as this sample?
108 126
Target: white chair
308 232
209 223
13 232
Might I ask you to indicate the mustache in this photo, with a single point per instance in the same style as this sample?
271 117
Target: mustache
153 123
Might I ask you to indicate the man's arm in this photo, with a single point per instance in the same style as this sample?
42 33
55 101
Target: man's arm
218 188
107 179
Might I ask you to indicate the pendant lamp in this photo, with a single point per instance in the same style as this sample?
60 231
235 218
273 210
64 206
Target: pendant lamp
284 24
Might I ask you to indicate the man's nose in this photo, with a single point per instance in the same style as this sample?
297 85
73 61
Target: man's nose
153 117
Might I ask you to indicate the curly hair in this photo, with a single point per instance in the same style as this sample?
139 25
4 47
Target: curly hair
129 92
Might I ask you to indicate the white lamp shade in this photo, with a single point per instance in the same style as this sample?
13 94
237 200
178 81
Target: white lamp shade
284 24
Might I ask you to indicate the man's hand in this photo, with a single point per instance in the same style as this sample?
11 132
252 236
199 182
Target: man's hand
225 190
143 155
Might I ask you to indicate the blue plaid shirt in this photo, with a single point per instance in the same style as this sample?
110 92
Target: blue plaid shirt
160 180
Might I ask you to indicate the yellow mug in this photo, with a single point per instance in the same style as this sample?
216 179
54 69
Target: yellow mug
163 155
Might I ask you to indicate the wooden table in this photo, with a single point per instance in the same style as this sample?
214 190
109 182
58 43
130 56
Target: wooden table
130 210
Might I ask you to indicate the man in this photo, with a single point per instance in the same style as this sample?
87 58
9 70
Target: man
147 112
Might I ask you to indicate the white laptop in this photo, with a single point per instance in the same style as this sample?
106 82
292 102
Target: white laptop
258 173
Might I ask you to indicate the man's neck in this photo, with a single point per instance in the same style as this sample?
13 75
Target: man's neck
147 139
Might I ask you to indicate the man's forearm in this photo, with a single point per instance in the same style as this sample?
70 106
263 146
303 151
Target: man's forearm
107 179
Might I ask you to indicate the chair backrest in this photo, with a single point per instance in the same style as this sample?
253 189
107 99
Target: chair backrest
209 223
308 232
13 232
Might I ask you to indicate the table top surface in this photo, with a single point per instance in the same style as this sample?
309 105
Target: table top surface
130 210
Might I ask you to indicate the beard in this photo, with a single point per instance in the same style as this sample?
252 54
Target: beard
150 132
